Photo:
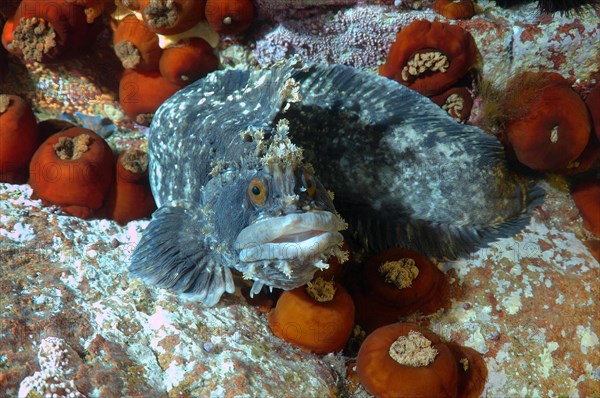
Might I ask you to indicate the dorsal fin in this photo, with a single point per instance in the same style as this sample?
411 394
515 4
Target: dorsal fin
403 171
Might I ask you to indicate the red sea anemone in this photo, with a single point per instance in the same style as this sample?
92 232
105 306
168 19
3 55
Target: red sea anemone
7 34
130 197
317 318
402 277
405 360
396 283
457 101
73 169
429 57
187 61
94 8
586 194
170 17
593 103
472 371
141 93
550 126
3 63
43 30
230 17
454 9
136 45
19 138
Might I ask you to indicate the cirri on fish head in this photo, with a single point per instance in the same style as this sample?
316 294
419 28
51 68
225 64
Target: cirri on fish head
240 162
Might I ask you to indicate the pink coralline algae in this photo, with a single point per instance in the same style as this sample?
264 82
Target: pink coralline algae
58 363
283 9
360 36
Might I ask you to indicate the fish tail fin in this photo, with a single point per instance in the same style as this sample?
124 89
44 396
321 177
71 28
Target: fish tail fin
460 241
172 254
441 240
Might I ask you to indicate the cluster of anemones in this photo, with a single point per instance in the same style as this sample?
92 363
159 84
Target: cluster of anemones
166 45
546 126
71 167
46 30
543 123
162 44
434 59
344 302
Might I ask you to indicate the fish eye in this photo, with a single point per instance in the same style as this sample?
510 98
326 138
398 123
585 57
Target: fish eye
257 191
309 183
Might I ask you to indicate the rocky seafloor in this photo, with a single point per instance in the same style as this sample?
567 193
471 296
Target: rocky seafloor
73 319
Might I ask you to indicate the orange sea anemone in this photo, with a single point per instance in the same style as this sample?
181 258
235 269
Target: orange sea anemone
73 169
170 17
457 101
405 360
187 61
549 125
141 93
586 160
7 35
230 17
472 371
136 45
396 283
593 103
586 194
405 279
44 30
94 8
19 138
3 64
371 313
130 197
429 57
50 127
454 9
317 317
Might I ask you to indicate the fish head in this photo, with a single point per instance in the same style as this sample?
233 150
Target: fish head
292 227
286 223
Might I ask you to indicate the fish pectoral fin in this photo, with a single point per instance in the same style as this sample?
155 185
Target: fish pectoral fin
172 254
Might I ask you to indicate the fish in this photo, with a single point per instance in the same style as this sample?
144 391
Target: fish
264 172
102 126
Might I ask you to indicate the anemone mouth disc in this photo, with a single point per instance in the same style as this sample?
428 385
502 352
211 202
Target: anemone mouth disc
298 236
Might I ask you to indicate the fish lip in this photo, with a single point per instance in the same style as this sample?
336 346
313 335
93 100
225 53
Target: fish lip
297 236
308 250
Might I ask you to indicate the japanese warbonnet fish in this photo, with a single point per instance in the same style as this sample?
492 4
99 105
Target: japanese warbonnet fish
234 160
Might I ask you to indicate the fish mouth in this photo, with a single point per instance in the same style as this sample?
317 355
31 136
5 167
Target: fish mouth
304 237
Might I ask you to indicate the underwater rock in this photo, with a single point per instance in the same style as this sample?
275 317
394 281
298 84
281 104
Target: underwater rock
404 173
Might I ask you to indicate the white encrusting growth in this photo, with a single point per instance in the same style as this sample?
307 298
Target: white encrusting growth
58 362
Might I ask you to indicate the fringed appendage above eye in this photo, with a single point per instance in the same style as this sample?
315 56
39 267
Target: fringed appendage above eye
172 254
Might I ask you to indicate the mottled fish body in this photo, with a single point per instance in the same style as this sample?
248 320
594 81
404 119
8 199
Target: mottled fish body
404 173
